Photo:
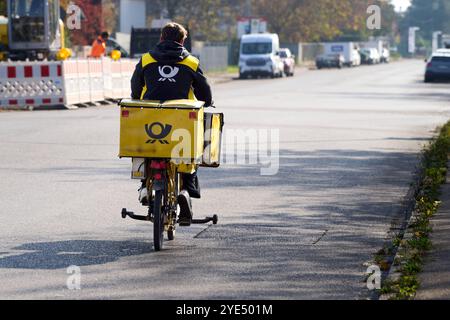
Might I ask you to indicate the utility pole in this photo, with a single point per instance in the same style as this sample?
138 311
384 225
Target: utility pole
248 8
435 45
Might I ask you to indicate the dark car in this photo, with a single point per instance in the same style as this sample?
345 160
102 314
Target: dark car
288 60
438 67
369 56
335 60
112 44
365 57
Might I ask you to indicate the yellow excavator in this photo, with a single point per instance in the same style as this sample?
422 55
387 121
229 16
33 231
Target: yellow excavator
33 30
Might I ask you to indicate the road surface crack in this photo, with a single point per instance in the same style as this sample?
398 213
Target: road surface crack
321 237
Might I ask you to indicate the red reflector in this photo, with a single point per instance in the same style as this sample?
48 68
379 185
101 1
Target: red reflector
125 113
193 115
157 164
154 164
45 71
46 101
11 72
28 71
157 176
29 101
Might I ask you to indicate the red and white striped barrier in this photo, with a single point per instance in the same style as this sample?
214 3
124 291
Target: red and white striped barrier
107 78
83 81
71 83
96 86
116 81
127 68
24 84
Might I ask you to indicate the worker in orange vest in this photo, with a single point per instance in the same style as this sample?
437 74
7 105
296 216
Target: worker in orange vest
99 46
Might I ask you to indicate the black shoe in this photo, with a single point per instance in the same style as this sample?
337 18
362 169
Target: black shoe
191 185
143 196
186 213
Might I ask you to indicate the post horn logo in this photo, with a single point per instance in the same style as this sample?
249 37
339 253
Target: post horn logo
163 132
168 73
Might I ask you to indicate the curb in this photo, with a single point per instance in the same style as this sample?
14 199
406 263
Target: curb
394 272
107 102
221 79
403 228
406 233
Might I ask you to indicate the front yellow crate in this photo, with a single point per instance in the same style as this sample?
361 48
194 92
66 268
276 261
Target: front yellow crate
171 130
213 139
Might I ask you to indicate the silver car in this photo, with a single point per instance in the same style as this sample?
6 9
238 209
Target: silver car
438 67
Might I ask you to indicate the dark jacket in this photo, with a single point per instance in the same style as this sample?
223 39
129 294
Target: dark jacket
169 72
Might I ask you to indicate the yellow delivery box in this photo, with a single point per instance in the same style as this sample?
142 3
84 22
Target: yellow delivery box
170 130
213 139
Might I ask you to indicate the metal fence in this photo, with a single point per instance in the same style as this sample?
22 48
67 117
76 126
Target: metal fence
217 56
310 51
213 57
295 48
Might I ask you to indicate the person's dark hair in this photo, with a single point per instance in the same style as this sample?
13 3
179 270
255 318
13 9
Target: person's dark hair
174 32
105 35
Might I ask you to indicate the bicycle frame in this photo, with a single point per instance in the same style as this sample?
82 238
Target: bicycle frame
162 175
153 159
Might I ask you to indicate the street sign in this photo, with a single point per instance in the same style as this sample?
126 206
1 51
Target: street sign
435 43
251 25
412 39
445 40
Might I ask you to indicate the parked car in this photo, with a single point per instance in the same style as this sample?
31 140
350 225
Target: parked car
385 56
330 60
288 61
438 67
369 56
259 55
356 58
365 56
112 44
347 49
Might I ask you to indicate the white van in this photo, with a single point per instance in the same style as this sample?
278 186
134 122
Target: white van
259 55
349 51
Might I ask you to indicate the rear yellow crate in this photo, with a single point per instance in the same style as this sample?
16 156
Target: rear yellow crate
170 130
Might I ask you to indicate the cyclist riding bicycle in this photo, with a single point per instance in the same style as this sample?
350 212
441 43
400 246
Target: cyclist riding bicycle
170 72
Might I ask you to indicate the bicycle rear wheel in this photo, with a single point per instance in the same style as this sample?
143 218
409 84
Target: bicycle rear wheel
158 221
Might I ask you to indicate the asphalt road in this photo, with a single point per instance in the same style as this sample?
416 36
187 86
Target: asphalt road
348 146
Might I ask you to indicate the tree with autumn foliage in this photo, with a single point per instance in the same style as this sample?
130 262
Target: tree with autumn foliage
2 8
293 20
96 17
208 20
321 20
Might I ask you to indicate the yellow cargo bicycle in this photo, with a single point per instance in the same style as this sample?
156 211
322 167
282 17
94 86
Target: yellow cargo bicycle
164 140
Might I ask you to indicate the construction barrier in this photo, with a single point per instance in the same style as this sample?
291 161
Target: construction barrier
107 78
127 66
96 85
29 84
71 82
116 80
83 81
